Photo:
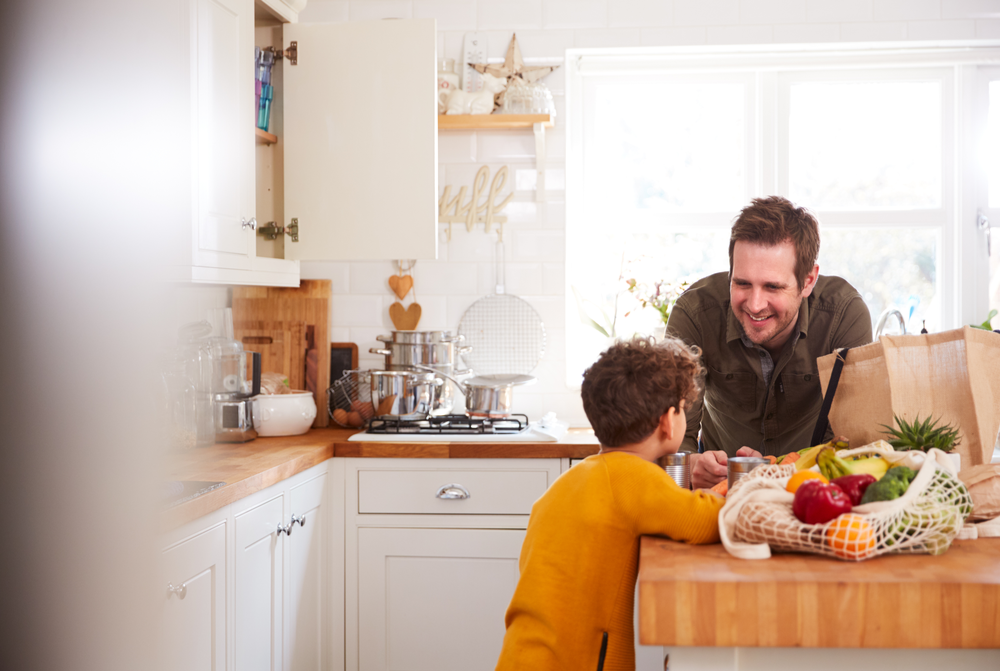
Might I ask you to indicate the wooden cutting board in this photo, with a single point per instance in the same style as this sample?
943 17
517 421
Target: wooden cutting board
289 327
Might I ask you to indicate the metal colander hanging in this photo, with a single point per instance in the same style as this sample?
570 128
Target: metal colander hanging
506 334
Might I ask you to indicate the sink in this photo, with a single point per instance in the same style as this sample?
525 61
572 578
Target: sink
176 492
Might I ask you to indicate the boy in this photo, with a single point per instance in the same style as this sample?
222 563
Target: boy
572 608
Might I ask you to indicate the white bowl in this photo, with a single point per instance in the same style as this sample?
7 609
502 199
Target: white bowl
284 414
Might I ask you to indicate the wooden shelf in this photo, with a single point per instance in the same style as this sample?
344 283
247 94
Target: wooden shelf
263 137
493 121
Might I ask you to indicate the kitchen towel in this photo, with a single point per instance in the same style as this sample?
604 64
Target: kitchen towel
952 376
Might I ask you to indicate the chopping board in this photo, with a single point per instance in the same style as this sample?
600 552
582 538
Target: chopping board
290 327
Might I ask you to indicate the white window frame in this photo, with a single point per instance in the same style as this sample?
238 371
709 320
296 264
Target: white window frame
962 263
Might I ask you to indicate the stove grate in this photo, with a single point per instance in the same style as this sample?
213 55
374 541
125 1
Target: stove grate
450 424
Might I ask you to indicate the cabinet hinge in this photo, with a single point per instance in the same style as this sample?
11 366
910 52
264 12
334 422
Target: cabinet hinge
271 230
291 53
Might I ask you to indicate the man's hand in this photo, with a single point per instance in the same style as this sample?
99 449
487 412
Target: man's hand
708 469
748 452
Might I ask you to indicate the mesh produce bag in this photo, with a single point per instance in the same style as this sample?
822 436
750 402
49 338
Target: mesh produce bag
758 515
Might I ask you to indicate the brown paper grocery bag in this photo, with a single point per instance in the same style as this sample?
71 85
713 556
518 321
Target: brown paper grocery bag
953 375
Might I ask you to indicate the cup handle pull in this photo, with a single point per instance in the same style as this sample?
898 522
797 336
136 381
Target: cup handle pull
452 492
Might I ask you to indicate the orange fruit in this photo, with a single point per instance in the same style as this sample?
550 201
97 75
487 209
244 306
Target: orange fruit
851 537
801 476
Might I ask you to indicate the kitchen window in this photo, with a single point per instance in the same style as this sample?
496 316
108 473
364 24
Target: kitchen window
882 144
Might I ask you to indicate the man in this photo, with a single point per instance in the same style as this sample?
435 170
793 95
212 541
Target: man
760 328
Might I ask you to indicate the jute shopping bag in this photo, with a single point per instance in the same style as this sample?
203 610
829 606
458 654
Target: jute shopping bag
953 376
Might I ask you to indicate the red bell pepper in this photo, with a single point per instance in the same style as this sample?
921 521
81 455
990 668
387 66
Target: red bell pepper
854 485
816 503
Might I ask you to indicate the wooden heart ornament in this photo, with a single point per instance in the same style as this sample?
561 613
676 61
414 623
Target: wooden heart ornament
401 285
404 319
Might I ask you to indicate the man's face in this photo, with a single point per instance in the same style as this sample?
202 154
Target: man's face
764 294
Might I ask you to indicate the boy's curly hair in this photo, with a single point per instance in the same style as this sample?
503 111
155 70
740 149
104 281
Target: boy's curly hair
634 382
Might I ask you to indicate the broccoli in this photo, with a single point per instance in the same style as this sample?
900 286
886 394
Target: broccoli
892 485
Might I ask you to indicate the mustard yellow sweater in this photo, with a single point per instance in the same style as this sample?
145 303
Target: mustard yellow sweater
580 559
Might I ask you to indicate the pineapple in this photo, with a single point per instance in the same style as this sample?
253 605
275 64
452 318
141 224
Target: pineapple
917 435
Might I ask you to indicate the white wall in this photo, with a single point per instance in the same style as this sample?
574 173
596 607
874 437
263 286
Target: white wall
536 237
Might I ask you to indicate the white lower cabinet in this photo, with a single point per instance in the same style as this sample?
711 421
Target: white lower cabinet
432 558
432 598
193 573
258 585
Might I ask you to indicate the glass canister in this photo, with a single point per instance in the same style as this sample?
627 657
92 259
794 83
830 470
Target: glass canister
447 81
190 380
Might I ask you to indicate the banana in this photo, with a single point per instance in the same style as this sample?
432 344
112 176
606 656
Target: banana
875 466
808 458
831 465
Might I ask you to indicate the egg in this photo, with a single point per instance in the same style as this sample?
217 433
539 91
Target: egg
354 419
340 416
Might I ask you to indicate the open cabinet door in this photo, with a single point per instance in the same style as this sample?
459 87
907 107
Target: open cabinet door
361 140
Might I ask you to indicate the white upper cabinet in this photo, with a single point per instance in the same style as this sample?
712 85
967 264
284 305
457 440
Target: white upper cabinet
360 139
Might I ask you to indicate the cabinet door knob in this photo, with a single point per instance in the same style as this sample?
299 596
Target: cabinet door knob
180 590
452 491
287 530
252 223
298 519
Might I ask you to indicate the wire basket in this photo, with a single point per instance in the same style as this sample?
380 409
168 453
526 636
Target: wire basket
349 399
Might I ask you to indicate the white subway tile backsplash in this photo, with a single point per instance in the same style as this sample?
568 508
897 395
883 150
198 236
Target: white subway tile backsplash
457 305
356 310
521 211
941 30
706 12
739 34
371 277
454 43
772 11
519 278
340 334
325 11
551 309
639 14
525 179
500 146
538 47
450 14
513 14
443 278
575 13
987 29
554 279
338 272
969 9
456 146
541 246
433 311
608 37
872 32
669 37
471 247
824 11
367 10
807 32
906 10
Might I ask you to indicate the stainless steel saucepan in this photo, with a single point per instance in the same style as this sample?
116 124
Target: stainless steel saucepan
419 354
404 394
488 395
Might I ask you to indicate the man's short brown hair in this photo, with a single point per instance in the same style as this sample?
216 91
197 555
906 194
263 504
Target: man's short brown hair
634 383
773 220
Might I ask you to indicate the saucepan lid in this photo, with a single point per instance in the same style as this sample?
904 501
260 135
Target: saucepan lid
498 381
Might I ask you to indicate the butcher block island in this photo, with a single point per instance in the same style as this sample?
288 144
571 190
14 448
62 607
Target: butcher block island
702 596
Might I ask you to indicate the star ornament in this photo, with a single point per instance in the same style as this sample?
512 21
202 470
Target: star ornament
513 66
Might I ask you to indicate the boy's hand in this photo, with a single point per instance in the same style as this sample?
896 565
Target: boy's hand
709 469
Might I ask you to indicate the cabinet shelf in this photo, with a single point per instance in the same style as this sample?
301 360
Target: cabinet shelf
263 137
492 121
533 122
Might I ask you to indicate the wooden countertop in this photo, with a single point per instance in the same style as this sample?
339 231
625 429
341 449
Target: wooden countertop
247 468
702 596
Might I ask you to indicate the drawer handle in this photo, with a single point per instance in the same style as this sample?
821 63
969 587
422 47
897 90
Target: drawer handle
453 491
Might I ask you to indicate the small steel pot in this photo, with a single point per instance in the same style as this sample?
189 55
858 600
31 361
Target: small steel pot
419 354
403 394
489 395
421 337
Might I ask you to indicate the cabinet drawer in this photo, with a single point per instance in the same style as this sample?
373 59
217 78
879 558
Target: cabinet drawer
490 492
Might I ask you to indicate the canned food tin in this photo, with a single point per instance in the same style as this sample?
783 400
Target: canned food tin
738 467
678 467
